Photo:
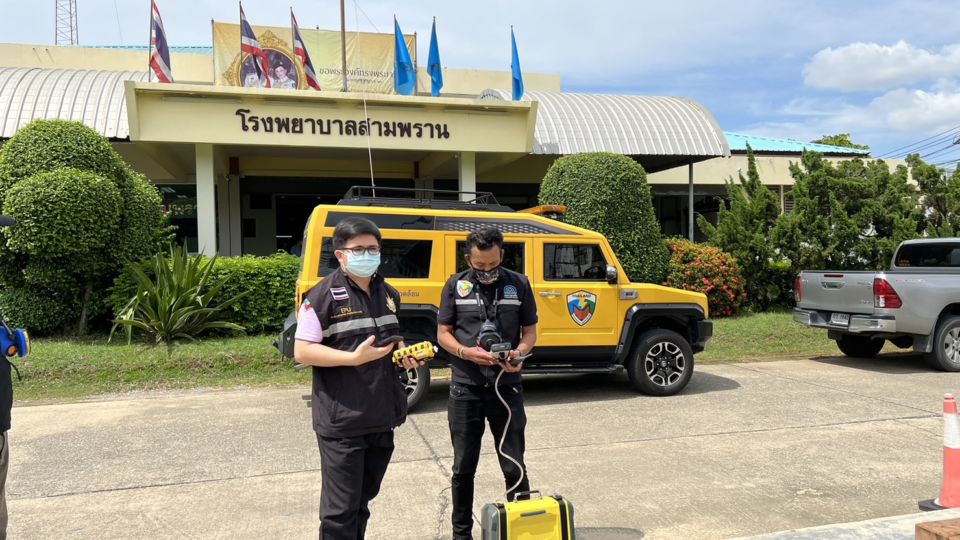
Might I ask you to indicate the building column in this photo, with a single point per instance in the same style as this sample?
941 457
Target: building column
206 200
223 213
467 174
236 212
690 202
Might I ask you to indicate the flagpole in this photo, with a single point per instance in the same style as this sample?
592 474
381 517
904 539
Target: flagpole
150 43
343 45
416 74
293 46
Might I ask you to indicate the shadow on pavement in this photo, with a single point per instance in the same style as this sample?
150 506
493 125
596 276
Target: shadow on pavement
553 389
891 363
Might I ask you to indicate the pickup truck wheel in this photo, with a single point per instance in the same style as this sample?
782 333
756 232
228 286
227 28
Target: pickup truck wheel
859 346
662 363
416 383
946 346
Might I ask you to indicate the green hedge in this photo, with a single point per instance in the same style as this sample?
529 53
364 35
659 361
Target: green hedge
608 193
271 282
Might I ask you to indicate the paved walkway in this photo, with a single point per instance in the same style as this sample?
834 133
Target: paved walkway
747 449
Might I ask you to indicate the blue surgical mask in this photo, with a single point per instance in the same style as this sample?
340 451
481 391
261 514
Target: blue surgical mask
363 265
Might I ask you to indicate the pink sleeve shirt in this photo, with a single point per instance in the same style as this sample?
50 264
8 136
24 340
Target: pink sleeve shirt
308 324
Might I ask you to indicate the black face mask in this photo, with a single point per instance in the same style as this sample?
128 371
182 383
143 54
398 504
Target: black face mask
486 277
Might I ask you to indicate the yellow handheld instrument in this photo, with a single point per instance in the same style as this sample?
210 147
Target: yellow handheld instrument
421 351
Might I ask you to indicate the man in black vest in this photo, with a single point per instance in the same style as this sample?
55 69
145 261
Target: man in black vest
485 292
358 398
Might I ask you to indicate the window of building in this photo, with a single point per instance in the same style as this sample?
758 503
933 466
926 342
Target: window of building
513 256
398 258
574 262
180 203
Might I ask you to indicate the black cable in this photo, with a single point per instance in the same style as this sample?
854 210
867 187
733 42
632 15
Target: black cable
896 151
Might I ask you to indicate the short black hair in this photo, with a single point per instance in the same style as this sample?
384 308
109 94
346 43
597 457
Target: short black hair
352 227
485 239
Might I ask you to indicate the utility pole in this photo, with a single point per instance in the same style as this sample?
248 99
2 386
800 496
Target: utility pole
66 23
343 45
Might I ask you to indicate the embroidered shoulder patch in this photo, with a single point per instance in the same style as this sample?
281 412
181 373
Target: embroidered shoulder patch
464 288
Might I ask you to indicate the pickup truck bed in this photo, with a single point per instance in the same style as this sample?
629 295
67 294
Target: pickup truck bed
913 304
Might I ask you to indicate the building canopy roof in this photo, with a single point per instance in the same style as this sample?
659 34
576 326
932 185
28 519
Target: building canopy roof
738 143
569 123
95 98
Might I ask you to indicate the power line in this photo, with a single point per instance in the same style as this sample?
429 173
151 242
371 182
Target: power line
903 150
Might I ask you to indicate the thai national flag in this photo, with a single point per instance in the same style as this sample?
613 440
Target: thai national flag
250 45
300 50
159 52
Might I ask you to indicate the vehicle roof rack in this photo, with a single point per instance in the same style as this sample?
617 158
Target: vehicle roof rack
422 198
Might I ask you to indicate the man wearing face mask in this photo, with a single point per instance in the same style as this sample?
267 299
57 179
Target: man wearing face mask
485 292
357 396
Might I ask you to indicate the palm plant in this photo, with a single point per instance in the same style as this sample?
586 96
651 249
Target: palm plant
175 304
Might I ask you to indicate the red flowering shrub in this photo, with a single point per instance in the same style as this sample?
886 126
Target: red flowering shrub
706 269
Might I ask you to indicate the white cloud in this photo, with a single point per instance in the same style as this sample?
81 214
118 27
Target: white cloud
900 114
871 66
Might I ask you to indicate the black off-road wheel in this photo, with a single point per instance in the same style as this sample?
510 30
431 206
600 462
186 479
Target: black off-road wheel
661 363
416 383
859 346
945 355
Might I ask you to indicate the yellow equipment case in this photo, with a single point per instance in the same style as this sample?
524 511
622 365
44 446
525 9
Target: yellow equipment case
539 518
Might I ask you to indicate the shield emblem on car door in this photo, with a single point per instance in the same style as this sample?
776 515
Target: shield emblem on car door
581 305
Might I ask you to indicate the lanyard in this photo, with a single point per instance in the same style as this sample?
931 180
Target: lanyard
483 307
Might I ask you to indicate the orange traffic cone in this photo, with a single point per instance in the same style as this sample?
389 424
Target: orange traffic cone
950 488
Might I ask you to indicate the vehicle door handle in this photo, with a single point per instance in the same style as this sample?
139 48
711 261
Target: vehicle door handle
548 294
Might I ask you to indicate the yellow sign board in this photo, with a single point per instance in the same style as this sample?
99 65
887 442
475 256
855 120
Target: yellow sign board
370 58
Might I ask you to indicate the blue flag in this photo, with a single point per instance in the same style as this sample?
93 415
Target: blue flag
515 69
404 76
433 63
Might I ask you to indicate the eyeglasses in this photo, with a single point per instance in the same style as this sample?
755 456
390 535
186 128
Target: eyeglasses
361 250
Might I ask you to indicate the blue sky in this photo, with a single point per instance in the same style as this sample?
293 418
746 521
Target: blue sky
888 72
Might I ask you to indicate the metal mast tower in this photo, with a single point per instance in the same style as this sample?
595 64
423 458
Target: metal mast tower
66 22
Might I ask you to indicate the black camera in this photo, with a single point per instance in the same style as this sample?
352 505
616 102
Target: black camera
492 342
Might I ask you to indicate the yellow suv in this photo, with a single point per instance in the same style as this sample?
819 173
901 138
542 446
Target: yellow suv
592 318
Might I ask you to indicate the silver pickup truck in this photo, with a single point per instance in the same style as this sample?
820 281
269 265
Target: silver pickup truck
914 304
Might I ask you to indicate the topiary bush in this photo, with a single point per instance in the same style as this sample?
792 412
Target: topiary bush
268 284
82 214
45 145
608 193
706 269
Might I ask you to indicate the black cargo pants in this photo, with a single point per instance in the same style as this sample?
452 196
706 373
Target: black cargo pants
352 469
467 409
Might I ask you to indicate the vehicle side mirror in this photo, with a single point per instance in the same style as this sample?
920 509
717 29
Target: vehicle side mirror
611 274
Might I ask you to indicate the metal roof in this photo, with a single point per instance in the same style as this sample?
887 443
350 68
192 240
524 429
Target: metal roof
569 123
739 141
95 98
182 49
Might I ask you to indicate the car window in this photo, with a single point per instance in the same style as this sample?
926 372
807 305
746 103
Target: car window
574 262
929 256
398 258
513 256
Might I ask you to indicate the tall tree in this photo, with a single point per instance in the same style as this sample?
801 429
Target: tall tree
940 197
848 216
743 229
840 139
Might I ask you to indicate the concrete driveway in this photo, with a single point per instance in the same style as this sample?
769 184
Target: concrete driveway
746 449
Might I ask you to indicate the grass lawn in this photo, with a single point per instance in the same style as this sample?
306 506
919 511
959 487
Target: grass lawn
764 336
60 369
